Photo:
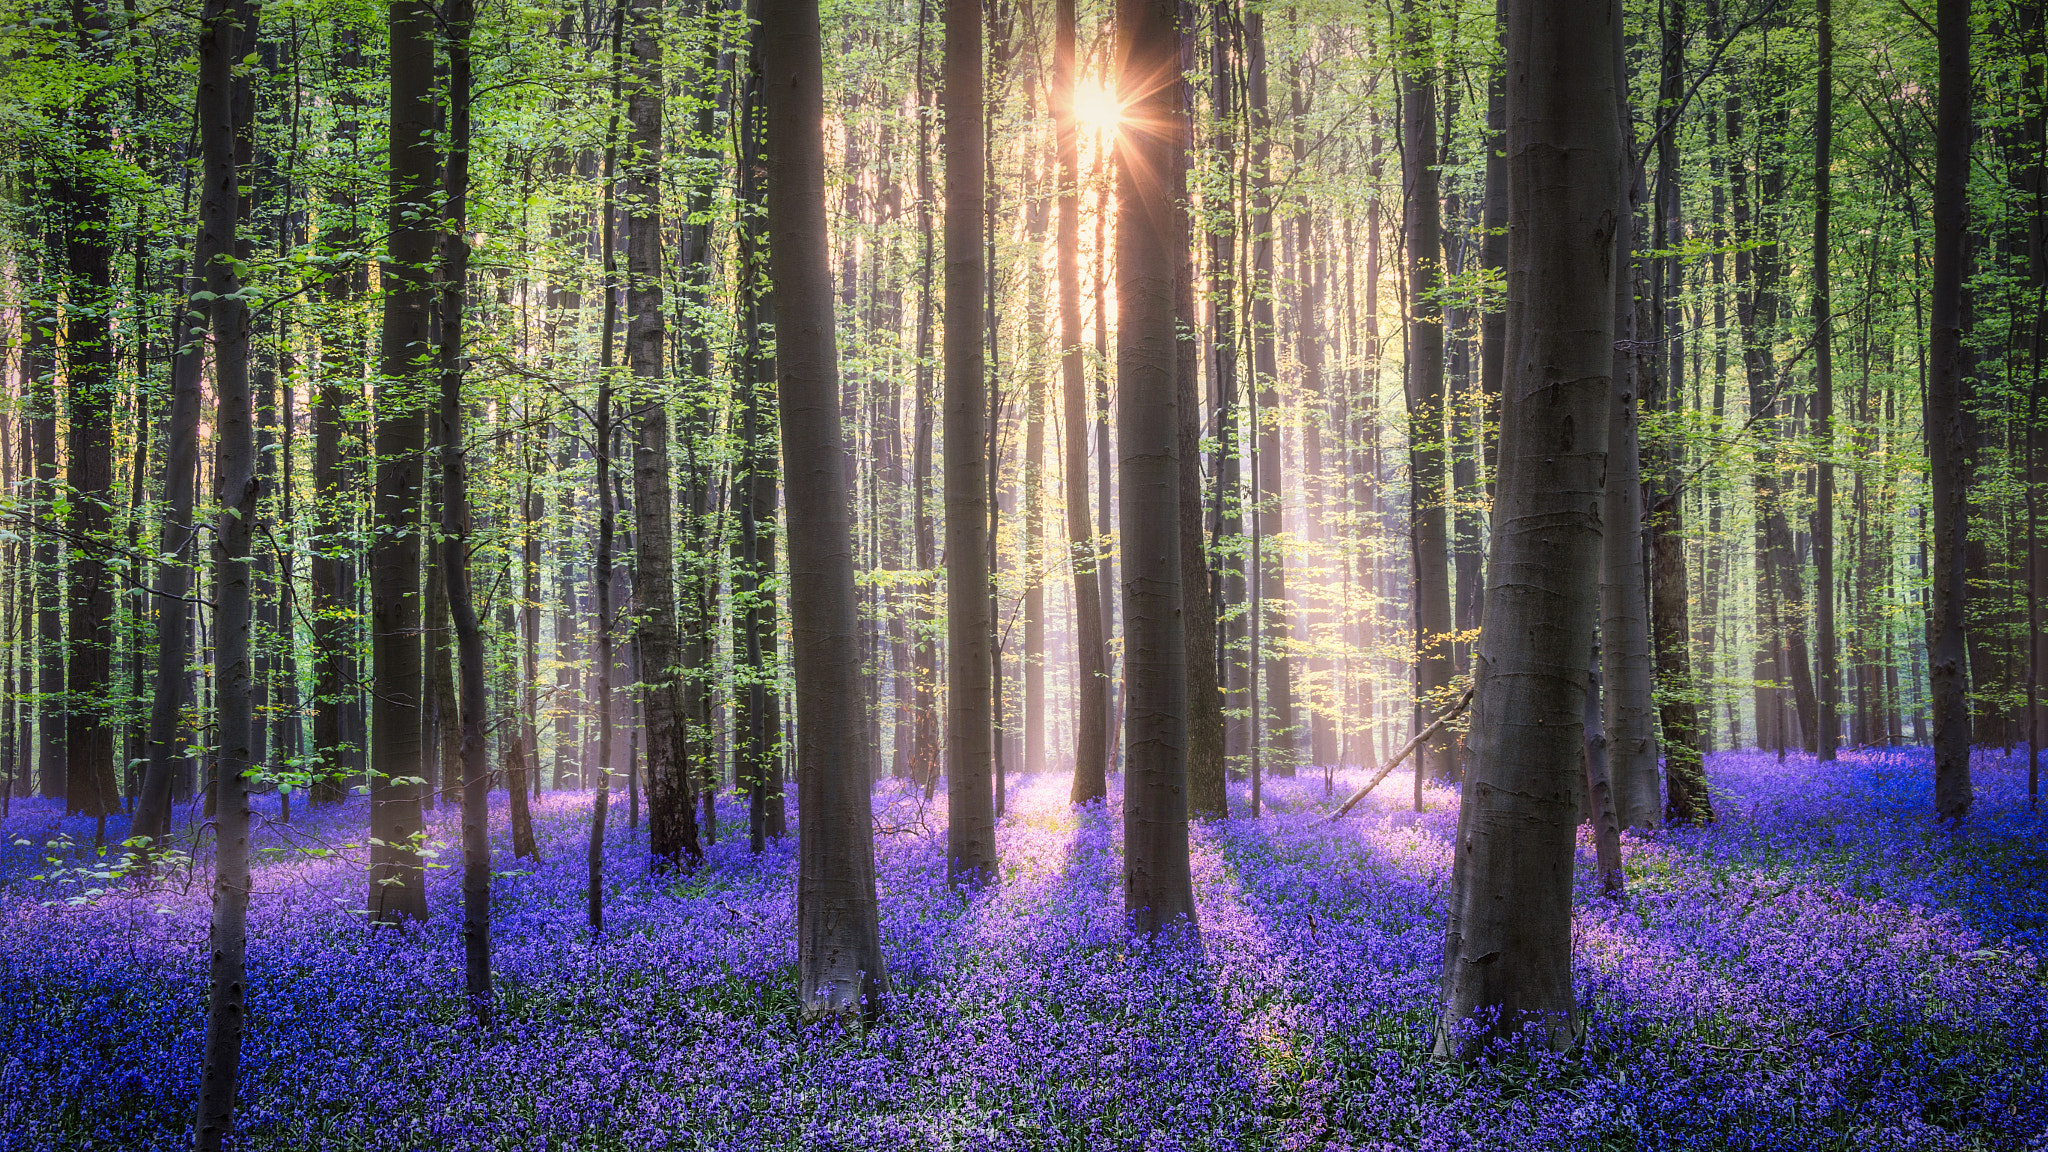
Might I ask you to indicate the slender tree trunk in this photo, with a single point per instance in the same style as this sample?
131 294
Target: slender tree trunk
1507 950
1091 719
1424 226
1223 336
456 530
839 948
1626 675
1829 687
225 27
1152 242
1205 765
396 756
39 357
1277 706
970 822
1947 425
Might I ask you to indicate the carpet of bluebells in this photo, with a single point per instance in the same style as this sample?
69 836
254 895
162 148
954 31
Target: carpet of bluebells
1824 968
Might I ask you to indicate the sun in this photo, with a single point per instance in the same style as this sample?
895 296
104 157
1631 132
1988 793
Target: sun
1095 107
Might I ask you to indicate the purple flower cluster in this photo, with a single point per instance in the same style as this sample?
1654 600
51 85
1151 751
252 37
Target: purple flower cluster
1825 968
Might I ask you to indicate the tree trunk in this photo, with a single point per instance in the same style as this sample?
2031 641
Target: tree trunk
1826 733
839 947
456 530
1507 951
1152 241
1206 796
225 27
1424 227
1277 705
1624 629
970 821
1946 435
89 784
1091 718
396 756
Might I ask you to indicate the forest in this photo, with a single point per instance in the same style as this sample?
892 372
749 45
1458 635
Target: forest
1102 574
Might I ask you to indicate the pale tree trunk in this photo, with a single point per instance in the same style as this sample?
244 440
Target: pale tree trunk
1947 447
225 27
970 801
1152 240
397 891
1223 335
1091 719
1507 949
839 950
1277 705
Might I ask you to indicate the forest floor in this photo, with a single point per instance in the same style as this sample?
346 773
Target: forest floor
1823 968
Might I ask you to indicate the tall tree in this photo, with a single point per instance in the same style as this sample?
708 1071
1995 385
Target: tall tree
839 948
1423 223
457 534
89 785
1948 461
1205 760
1830 672
226 27
397 760
1091 717
1507 949
970 801
1152 238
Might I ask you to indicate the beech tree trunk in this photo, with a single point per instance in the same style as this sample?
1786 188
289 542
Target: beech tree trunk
1947 425
456 530
1507 950
1205 766
839 950
397 762
1424 227
1152 241
226 26
89 784
970 801
1091 718
1274 629
1828 687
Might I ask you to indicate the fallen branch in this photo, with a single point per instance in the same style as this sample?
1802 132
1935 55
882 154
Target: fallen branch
1388 768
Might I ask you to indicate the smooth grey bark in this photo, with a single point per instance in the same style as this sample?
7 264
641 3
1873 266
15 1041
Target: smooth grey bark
1948 457
1828 671
1152 240
839 950
970 800
397 891
1274 625
1507 948
1206 795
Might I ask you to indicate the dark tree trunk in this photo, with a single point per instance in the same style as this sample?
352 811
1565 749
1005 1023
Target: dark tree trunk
1152 242
1507 951
1091 719
89 784
1424 227
1828 688
1205 765
970 821
225 27
396 754
1947 425
839 947
456 530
